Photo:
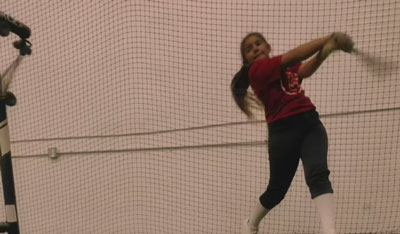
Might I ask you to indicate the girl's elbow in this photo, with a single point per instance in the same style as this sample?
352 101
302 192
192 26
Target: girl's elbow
304 74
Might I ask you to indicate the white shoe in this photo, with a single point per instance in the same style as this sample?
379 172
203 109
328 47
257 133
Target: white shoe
247 229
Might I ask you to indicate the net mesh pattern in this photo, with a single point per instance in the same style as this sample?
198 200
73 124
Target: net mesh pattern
135 97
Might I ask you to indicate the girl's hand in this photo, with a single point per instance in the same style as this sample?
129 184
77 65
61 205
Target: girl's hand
327 49
343 41
337 41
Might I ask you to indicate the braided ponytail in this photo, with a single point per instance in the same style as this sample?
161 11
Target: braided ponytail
240 83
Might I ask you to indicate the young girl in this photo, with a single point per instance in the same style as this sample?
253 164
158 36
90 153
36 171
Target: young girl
295 131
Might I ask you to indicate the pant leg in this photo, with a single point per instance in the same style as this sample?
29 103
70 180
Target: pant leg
314 151
284 156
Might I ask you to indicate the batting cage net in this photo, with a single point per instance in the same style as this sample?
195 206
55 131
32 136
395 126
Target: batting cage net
125 121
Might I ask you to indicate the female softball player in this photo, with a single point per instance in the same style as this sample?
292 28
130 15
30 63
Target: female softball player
295 130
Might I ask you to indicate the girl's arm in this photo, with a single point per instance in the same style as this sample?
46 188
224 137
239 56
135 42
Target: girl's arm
324 46
308 68
303 51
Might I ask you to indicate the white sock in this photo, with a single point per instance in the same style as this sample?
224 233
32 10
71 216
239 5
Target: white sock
326 210
257 215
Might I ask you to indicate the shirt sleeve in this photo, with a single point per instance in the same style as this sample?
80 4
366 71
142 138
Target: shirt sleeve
264 72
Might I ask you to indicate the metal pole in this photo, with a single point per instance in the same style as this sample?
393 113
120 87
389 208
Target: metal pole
11 225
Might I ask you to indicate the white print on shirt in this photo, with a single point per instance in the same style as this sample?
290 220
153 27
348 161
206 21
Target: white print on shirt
291 85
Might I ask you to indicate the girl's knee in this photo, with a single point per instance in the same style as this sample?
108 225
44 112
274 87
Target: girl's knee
317 179
271 198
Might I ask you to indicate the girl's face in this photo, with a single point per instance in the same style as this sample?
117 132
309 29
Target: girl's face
255 49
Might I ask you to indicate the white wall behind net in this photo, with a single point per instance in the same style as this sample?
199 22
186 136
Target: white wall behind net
135 96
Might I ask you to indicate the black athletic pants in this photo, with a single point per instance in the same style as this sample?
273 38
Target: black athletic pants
301 136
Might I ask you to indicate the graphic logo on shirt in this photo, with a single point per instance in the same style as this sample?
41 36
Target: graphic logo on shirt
290 83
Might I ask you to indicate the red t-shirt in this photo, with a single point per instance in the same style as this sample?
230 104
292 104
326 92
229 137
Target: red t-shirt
278 88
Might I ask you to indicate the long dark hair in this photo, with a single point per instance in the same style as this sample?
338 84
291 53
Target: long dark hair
240 82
